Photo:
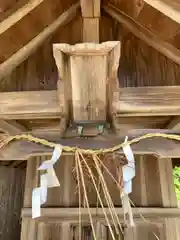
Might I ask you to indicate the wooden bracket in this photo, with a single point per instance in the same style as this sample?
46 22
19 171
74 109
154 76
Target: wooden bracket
88 71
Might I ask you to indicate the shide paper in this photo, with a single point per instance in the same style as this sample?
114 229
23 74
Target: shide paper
128 175
47 180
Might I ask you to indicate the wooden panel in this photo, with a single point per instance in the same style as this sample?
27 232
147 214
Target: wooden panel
11 199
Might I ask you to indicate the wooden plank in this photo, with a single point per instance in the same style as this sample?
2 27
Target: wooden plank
18 15
144 34
170 8
17 58
72 213
30 105
160 147
148 101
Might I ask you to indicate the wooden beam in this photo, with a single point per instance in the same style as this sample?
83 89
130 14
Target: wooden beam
30 105
148 101
144 34
160 147
68 213
21 55
11 127
18 15
170 8
141 101
91 13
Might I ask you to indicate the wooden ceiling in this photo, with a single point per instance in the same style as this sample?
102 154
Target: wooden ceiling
22 20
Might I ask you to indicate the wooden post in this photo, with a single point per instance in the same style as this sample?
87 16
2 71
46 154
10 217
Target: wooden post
153 185
91 14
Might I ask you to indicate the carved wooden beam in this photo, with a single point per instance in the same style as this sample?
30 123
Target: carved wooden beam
170 8
140 101
144 34
18 15
17 58
161 147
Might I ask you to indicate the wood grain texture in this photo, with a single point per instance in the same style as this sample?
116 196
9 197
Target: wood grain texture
167 7
149 37
7 66
11 199
25 105
87 65
145 101
18 15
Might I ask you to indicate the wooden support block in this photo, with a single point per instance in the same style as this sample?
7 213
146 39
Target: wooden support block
91 30
90 8
87 72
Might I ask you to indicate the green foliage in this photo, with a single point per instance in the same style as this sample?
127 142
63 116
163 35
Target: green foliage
176 174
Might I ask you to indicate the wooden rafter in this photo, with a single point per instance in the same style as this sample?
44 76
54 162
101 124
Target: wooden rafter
17 58
11 127
170 8
18 15
144 34
142 101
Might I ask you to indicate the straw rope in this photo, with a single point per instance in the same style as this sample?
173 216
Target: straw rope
44 142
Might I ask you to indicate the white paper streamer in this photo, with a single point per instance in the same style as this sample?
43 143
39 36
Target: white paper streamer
128 175
47 180
36 203
49 163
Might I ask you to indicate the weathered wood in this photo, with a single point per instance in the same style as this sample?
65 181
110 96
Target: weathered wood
28 105
11 199
17 58
160 147
144 34
11 127
153 184
91 30
18 15
147 101
170 8
69 213
90 8
86 65
142 101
